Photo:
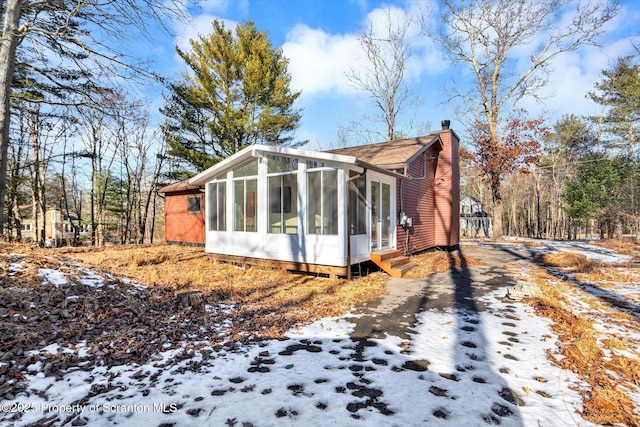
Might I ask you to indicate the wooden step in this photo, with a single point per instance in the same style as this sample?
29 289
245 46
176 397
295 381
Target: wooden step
400 271
398 261
384 255
392 262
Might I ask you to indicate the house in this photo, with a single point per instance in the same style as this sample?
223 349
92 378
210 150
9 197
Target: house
324 211
58 229
473 218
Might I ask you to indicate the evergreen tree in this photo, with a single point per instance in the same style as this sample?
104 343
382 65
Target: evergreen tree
619 93
237 94
598 191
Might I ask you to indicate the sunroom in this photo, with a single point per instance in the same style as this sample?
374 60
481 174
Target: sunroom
292 206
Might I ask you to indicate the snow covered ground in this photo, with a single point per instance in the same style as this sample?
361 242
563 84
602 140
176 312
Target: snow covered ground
460 368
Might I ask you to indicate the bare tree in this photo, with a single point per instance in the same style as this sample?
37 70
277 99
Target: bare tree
101 148
141 172
383 77
488 35
60 30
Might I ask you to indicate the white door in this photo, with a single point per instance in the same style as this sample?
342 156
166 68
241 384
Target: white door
380 216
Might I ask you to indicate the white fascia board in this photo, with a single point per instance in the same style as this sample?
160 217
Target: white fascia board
315 155
258 151
204 176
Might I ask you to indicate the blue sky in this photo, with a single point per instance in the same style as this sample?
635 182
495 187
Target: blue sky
320 39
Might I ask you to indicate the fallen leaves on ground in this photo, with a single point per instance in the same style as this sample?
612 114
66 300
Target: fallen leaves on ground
581 306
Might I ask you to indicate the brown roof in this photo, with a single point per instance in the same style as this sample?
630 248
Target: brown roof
397 152
179 186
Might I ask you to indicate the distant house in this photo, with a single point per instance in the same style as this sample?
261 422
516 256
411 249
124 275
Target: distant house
59 228
473 219
324 211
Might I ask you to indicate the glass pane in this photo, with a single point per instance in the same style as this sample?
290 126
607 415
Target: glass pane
375 201
290 203
248 169
275 204
314 202
358 205
386 216
330 202
193 204
213 207
238 201
312 164
281 164
252 205
222 206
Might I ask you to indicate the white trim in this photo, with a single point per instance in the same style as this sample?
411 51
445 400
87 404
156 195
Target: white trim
258 150
301 247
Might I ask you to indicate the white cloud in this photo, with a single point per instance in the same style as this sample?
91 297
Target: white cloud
574 75
199 25
318 60
424 56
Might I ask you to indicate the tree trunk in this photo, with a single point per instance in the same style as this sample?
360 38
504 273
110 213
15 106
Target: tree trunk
497 209
8 45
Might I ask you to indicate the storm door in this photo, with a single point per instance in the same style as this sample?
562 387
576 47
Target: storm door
380 216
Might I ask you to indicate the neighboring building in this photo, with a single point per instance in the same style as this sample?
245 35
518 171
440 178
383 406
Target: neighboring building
324 211
58 227
473 218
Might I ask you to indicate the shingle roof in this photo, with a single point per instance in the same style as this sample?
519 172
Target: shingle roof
179 186
397 152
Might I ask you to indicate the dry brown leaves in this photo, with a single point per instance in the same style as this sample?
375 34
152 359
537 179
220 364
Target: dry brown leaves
626 247
124 323
438 262
603 361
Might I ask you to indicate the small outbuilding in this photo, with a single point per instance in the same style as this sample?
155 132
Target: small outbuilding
184 213
324 211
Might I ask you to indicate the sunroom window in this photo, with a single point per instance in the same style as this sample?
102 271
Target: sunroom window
283 191
358 205
217 199
245 197
322 201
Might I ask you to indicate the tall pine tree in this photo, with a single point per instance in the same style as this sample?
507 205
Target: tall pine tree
236 94
619 93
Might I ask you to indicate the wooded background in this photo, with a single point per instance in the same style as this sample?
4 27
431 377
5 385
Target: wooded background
74 138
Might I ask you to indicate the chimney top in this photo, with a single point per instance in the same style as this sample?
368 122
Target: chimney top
445 124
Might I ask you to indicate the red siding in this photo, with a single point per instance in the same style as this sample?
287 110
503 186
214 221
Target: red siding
447 192
182 226
416 198
432 198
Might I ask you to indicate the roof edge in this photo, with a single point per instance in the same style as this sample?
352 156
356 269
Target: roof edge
259 150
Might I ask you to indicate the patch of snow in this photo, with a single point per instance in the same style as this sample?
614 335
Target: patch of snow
53 277
582 246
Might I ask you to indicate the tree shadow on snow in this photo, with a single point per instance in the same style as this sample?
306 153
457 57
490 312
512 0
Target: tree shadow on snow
471 357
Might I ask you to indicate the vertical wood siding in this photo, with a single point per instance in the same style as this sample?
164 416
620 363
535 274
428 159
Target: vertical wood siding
180 225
